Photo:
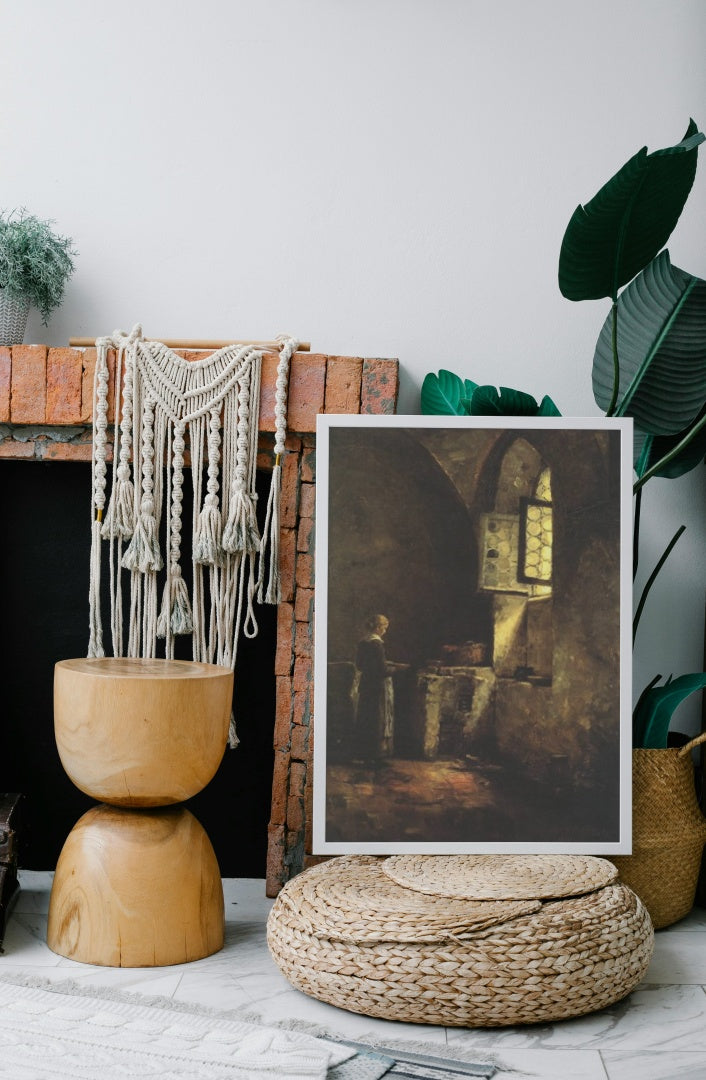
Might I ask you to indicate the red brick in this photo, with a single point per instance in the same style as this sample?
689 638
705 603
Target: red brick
292 444
28 400
295 816
304 605
296 802
194 354
285 639
11 448
308 464
305 571
301 711
87 377
300 739
283 712
289 501
308 809
280 778
5 374
264 458
303 640
307 500
343 382
305 535
64 378
53 451
379 387
267 391
302 674
275 860
268 387
306 391
287 562
89 368
297 779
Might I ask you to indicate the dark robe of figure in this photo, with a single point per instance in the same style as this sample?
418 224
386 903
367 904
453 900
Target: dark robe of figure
375 709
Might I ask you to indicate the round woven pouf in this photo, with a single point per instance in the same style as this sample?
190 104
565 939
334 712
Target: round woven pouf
347 933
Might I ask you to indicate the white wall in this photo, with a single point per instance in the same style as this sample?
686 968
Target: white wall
383 177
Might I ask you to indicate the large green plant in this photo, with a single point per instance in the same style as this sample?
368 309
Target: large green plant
35 263
650 359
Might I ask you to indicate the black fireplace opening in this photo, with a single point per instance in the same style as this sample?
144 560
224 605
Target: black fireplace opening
44 561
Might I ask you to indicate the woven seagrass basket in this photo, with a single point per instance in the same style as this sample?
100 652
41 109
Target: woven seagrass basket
346 933
13 319
668 833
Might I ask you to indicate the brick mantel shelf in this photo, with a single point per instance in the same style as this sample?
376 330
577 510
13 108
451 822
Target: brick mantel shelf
46 399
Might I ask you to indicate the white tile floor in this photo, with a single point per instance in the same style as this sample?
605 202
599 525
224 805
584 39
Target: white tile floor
658 1033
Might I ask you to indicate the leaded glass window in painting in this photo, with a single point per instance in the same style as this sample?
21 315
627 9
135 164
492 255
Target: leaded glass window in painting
536 535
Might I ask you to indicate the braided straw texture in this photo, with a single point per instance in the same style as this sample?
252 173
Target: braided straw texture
501 877
13 318
668 831
571 957
360 903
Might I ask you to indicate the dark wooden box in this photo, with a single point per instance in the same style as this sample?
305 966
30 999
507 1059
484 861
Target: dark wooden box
10 833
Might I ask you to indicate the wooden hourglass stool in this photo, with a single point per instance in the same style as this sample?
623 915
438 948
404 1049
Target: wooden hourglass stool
137 883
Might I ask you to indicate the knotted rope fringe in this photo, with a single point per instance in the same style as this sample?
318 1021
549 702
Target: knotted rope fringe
273 593
161 401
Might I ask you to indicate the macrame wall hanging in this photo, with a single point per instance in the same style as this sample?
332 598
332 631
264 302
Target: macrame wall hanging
161 400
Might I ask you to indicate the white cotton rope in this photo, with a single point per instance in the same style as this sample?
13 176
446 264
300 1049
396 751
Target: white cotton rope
164 405
273 592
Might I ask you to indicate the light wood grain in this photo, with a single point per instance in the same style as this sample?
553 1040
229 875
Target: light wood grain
196 343
141 732
136 888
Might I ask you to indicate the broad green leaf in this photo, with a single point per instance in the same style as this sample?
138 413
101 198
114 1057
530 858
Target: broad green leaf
442 394
489 401
610 239
653 713
547 407
661 350
648 450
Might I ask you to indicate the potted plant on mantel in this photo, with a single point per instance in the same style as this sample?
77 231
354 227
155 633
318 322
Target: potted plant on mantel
35 264
649 364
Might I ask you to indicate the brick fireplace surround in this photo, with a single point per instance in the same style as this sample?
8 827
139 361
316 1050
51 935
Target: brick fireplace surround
45 415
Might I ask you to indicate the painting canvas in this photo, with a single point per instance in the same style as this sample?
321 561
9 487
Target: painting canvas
472 657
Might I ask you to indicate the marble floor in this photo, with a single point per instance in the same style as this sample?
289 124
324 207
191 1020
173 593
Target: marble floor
658 1033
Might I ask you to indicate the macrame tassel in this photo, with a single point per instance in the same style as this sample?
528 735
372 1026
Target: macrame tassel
208 548
120 518
143 552
233 740
95 640
175 614
273 593
241 532
99 469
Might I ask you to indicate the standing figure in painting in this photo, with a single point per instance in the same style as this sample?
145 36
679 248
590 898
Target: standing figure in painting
375 701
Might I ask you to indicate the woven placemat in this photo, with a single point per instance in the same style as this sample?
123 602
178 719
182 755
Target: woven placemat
360 903
500 877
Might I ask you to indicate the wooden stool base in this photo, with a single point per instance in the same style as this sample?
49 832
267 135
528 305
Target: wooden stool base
136 888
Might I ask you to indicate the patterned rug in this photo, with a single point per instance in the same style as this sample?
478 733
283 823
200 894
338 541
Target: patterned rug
62 1031
65 1031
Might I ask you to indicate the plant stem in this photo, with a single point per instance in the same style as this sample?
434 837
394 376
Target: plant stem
691 433
651 579
636 533
616 365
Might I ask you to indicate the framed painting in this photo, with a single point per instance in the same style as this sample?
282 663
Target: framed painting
473 635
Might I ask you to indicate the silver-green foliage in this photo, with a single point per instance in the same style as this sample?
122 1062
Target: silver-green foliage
35 262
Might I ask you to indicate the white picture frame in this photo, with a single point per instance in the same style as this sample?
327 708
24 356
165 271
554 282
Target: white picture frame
501 719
